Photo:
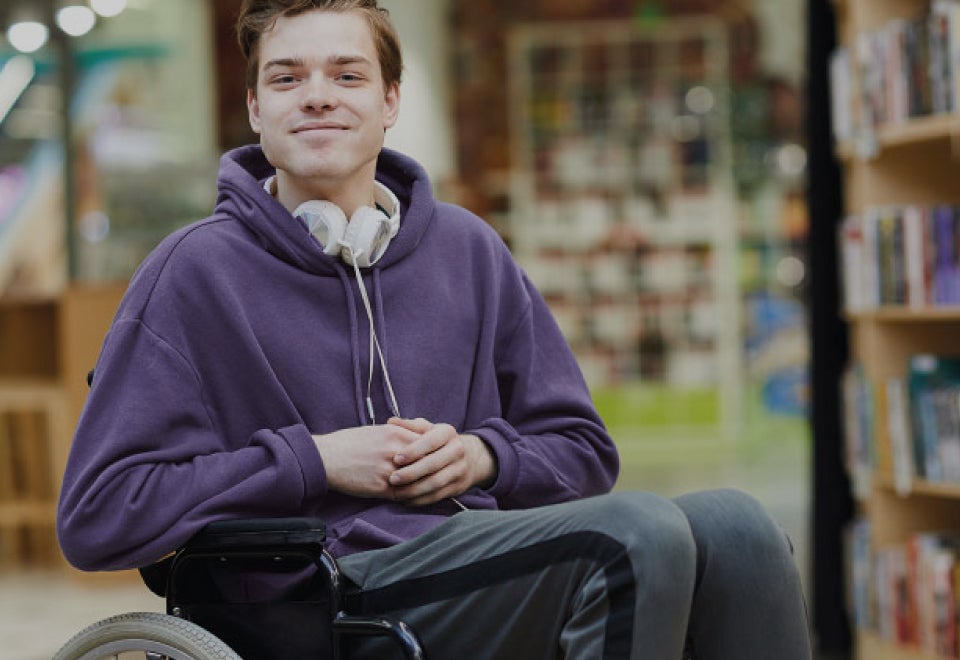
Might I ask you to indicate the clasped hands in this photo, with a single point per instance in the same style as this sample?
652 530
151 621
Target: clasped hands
413 461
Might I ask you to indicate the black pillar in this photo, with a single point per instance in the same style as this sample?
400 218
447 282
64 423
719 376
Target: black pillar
832 505
62 45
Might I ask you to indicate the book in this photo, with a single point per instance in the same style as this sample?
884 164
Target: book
900 436
890 255
915 45
871 276
945 16
945 286
928 375
948 432
841 102
852 263
860 568
859 420
916 258
870 93
882 454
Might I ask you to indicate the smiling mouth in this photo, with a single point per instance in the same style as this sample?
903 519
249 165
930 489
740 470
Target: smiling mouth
307 128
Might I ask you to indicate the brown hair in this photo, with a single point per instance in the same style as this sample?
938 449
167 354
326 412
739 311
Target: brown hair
259 16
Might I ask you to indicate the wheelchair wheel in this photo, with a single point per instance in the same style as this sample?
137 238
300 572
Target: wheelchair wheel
148 635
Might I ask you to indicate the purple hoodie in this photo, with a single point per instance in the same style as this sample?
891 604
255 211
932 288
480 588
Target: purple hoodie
238 338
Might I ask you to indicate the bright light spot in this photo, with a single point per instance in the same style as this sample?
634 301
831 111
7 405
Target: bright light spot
76 20
791 159
15 76
108 8
790 271
27 36
700 100
95 226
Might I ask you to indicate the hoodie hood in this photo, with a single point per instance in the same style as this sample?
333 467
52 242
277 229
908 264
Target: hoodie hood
241 196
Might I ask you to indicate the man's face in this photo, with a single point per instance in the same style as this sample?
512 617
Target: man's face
320 106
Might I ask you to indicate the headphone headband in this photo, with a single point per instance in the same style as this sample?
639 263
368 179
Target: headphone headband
364 238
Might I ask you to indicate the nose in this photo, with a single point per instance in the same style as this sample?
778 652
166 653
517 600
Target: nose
319 94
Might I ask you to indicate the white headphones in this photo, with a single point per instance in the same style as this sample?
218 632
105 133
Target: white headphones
364 238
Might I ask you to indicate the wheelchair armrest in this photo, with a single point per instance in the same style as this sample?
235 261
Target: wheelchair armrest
258 532
253 534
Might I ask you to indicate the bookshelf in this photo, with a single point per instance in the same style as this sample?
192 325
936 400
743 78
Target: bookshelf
896 113
46 348
623 211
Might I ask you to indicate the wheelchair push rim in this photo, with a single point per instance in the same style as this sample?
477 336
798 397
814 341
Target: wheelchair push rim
154 635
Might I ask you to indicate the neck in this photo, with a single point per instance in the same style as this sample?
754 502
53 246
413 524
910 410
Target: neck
348 198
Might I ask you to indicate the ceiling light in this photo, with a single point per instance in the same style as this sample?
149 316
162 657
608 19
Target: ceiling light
27 36
76 20
108 8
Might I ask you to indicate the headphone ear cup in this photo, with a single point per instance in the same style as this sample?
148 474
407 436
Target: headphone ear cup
367 236
325 221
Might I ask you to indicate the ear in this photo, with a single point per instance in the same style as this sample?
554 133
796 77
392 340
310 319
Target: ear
391 107
253 111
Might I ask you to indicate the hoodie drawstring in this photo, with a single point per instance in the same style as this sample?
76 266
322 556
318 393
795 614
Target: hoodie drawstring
374 348
377 300
354 341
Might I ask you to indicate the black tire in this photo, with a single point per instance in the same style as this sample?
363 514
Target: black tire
153 632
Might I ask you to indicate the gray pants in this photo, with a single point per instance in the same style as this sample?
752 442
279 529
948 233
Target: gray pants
625 575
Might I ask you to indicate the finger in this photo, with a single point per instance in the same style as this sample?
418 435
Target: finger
431 464
438 436
419 470
441 485
418 425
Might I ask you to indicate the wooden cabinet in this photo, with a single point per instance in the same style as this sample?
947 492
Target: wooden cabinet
46 349
895 90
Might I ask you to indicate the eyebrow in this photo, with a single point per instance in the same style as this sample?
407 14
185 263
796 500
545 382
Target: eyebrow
350 59
283 62
339 60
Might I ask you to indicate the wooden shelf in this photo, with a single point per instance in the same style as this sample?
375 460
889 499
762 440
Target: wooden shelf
907 314
923 487
920 129
931 128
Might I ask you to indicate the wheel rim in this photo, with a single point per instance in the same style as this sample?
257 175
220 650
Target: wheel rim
151 649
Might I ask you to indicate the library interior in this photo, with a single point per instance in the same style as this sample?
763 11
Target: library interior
742 214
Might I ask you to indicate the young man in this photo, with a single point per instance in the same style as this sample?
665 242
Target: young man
398 376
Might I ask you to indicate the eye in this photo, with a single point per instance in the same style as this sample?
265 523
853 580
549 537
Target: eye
350 78
283 79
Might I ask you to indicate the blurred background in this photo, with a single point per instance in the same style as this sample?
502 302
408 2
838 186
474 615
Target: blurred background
645 160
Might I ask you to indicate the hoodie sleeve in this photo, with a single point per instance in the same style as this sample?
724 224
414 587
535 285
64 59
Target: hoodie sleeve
148 469
550 443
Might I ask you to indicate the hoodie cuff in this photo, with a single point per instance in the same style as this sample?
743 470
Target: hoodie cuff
508 463
300 441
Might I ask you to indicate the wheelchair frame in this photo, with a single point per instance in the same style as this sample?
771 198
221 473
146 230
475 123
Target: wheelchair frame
277 540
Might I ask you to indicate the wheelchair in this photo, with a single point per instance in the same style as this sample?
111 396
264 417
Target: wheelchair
209 615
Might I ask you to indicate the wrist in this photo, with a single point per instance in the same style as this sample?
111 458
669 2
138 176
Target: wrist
484 462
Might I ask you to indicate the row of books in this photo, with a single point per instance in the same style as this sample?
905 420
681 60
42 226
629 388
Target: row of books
901 255
908 68
907 427
907 593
